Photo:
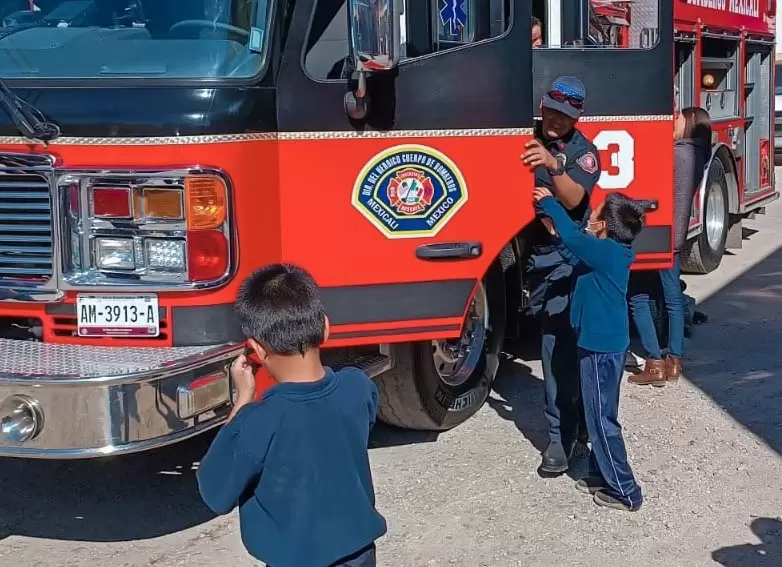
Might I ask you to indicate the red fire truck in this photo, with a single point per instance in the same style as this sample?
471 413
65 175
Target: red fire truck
153 154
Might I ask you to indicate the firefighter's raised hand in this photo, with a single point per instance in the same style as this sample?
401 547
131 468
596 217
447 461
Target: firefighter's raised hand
541 193
243 377
538 156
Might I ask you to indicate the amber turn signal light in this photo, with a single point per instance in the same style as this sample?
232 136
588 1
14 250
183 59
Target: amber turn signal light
207 202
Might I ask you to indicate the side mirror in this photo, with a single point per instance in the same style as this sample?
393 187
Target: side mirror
375 31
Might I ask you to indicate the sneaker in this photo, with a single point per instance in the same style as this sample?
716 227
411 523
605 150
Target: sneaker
590 484
603 498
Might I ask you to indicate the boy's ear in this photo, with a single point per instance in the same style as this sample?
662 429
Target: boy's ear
258 349
326 328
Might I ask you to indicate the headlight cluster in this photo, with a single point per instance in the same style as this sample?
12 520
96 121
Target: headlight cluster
166 228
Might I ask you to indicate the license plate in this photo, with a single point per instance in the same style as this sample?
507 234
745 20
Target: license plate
117 316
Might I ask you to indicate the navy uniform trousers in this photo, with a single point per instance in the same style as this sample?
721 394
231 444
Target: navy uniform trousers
551 278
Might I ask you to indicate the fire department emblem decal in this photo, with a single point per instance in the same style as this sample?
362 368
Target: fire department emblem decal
409 191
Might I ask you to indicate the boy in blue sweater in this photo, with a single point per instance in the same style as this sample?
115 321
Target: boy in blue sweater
599 316
296 462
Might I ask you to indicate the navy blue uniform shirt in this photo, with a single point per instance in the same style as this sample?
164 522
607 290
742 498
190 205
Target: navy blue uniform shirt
296 464
598 310
582 165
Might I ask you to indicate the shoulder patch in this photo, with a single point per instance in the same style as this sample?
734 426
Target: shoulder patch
588 162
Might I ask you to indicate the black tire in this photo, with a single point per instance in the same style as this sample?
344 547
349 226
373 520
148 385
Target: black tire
702 255
414 396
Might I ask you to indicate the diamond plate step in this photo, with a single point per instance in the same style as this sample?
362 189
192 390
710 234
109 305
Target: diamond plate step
23 361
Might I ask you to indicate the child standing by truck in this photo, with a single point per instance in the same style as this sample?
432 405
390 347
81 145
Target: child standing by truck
599 317
296 462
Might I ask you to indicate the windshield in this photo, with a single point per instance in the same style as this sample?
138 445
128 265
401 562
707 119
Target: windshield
132 38
778 80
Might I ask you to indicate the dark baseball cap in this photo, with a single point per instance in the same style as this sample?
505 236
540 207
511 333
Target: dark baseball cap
570 93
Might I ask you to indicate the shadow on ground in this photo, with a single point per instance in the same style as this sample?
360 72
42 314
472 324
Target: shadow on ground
735 357
768 553
127 498
388 436
518 394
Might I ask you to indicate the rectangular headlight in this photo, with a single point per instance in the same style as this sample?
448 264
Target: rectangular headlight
115 254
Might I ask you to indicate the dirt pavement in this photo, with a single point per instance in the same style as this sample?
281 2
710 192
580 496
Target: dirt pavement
706 450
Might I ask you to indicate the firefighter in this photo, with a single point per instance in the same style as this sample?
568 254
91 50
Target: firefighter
568 164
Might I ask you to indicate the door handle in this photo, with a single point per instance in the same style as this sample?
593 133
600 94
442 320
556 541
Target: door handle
444 251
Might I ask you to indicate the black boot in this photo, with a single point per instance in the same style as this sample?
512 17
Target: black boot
555 460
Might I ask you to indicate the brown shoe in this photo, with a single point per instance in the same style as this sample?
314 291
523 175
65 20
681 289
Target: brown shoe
673 368
653 374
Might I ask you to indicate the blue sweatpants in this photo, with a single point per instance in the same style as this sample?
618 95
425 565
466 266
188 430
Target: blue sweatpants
601 375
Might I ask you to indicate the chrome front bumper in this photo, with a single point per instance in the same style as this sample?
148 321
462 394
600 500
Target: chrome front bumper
98 401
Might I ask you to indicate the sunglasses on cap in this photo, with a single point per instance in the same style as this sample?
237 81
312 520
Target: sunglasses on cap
574 101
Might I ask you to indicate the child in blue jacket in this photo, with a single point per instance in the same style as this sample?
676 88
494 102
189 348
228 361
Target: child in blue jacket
295 463
599 316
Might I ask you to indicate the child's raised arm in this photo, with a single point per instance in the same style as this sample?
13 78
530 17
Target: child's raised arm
594 252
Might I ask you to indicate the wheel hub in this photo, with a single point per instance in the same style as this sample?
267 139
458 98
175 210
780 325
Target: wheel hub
456 359
715 216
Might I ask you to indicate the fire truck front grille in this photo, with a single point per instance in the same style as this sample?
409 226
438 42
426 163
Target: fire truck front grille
25 227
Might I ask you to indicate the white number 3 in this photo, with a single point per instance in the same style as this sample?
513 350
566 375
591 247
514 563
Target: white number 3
622 147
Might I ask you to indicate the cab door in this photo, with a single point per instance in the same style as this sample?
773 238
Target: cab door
415 201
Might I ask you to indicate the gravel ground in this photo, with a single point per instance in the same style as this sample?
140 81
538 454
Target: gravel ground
706 450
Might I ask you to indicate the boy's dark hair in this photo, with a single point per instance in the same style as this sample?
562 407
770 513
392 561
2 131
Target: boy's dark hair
279 306
536 22
624 217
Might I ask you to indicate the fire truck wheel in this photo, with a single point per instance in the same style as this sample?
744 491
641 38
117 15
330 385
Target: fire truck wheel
703 254
436 385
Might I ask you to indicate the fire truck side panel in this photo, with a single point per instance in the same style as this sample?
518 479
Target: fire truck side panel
497 206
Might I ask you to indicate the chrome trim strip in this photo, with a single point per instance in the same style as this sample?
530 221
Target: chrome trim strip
336 135
395 134
630 118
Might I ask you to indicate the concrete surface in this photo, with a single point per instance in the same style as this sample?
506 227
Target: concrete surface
706 450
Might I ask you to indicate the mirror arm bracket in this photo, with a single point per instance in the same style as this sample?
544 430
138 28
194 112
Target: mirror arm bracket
356 99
